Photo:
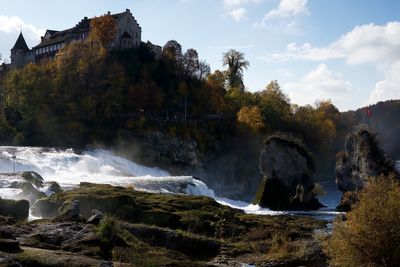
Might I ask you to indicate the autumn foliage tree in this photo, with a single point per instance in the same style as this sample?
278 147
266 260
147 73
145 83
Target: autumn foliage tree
371 234
251 118
102 31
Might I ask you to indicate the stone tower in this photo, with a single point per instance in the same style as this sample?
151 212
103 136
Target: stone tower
19 52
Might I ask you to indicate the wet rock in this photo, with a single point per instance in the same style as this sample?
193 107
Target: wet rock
287 169
18 209
17 184
54 187
95 218
9 245
33 178
69 212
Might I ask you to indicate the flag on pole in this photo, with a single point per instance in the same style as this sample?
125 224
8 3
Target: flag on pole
368 111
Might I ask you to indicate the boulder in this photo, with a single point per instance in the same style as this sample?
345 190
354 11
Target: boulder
18 209
53 187
95 218
361 160
287 169
17 184
30 193
33 178
69 211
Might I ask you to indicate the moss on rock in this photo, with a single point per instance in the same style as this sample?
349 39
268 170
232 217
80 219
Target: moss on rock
18 209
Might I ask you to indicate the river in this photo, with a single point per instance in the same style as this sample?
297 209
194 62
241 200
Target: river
69 168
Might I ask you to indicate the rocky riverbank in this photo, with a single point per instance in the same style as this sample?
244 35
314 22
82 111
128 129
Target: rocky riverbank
143 229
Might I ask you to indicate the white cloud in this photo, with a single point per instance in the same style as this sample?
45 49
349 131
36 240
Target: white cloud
15 24
319 84
389 88
368 43
288 8
371 43
9 29
304 52
236 3
235 8
238 14
285 9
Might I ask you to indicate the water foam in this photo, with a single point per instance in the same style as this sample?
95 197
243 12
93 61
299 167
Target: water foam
69 168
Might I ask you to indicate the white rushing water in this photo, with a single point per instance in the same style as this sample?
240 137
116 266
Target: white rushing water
69 168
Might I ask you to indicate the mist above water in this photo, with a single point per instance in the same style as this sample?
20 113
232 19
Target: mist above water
69 168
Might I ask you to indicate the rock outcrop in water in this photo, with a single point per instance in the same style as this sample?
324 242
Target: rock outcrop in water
287 169
33 178
361 160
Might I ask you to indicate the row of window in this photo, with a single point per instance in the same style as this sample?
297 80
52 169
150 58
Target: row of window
48 49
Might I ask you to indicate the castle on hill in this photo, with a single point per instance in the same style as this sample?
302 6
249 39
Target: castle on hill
128 35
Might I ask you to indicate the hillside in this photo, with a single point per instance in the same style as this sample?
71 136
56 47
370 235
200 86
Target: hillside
384 121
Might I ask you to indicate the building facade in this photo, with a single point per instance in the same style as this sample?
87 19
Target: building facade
128 35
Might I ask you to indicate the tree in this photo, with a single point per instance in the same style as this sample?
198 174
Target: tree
371 234
102 31
251 117
172 50
275 105
190 63
236 63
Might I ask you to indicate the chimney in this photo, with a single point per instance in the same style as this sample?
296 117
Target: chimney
128 10
108 13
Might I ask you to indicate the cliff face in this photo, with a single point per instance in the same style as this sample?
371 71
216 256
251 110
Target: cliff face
287 169
361 161
158 147
176 154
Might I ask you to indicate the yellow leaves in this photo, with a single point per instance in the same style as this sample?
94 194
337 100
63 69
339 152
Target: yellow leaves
371 235
251 117
102 31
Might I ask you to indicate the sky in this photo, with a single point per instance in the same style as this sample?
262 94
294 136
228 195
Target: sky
345 51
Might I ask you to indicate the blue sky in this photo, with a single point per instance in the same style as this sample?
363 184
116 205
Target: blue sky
346 51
